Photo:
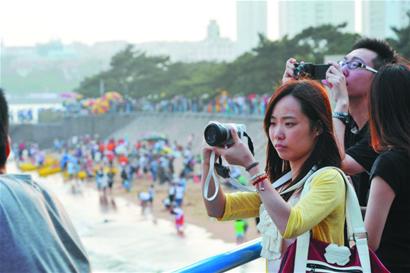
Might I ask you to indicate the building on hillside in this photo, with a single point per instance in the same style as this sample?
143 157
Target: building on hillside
295 16
251 21
212 48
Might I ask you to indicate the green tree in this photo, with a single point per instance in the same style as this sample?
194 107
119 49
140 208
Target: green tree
262 68
193 79
131 72
325 40
257 71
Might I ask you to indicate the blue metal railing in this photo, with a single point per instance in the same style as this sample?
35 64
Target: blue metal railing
225 261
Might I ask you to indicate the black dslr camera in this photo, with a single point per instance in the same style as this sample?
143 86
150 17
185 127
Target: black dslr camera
218 134
311 71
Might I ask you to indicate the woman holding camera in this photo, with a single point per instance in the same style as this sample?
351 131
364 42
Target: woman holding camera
298 124
388 210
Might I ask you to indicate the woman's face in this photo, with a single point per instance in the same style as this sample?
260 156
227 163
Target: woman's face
290 132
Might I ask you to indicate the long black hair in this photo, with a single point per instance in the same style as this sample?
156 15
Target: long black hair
389 107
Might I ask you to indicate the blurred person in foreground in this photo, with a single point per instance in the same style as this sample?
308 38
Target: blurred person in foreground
349 81
298 125
36 234
387 218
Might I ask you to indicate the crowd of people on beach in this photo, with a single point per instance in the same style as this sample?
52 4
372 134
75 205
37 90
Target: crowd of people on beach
86 158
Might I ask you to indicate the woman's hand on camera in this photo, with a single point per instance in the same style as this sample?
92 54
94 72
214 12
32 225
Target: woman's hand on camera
238 153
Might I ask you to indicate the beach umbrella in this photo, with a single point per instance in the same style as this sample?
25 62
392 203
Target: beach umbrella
100 106
154 137
113 96
88 102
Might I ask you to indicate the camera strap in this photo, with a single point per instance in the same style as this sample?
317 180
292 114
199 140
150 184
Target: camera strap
250 143
211 173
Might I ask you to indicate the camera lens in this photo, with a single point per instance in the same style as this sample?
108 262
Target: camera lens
215 134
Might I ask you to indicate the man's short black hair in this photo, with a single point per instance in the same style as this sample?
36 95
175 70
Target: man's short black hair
4 128
385 53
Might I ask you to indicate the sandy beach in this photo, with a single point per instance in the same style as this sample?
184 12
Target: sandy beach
194 209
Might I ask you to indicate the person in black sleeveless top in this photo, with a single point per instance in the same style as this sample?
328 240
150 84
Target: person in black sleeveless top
388 212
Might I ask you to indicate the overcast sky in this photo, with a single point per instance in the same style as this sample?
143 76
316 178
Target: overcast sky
27 22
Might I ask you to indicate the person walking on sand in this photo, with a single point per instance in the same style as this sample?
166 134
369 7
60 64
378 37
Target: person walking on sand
241 226
179 220
110 178
102 183
144 198
151 192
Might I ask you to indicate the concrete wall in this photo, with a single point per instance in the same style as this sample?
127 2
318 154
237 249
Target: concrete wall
45 133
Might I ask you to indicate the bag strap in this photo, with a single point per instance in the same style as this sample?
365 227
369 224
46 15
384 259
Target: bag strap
355 227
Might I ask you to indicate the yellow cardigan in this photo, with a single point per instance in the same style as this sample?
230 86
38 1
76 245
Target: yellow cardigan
321 210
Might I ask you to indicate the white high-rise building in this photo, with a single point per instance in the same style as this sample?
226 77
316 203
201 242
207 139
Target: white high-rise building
251 20
213 30
378 16
295 16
